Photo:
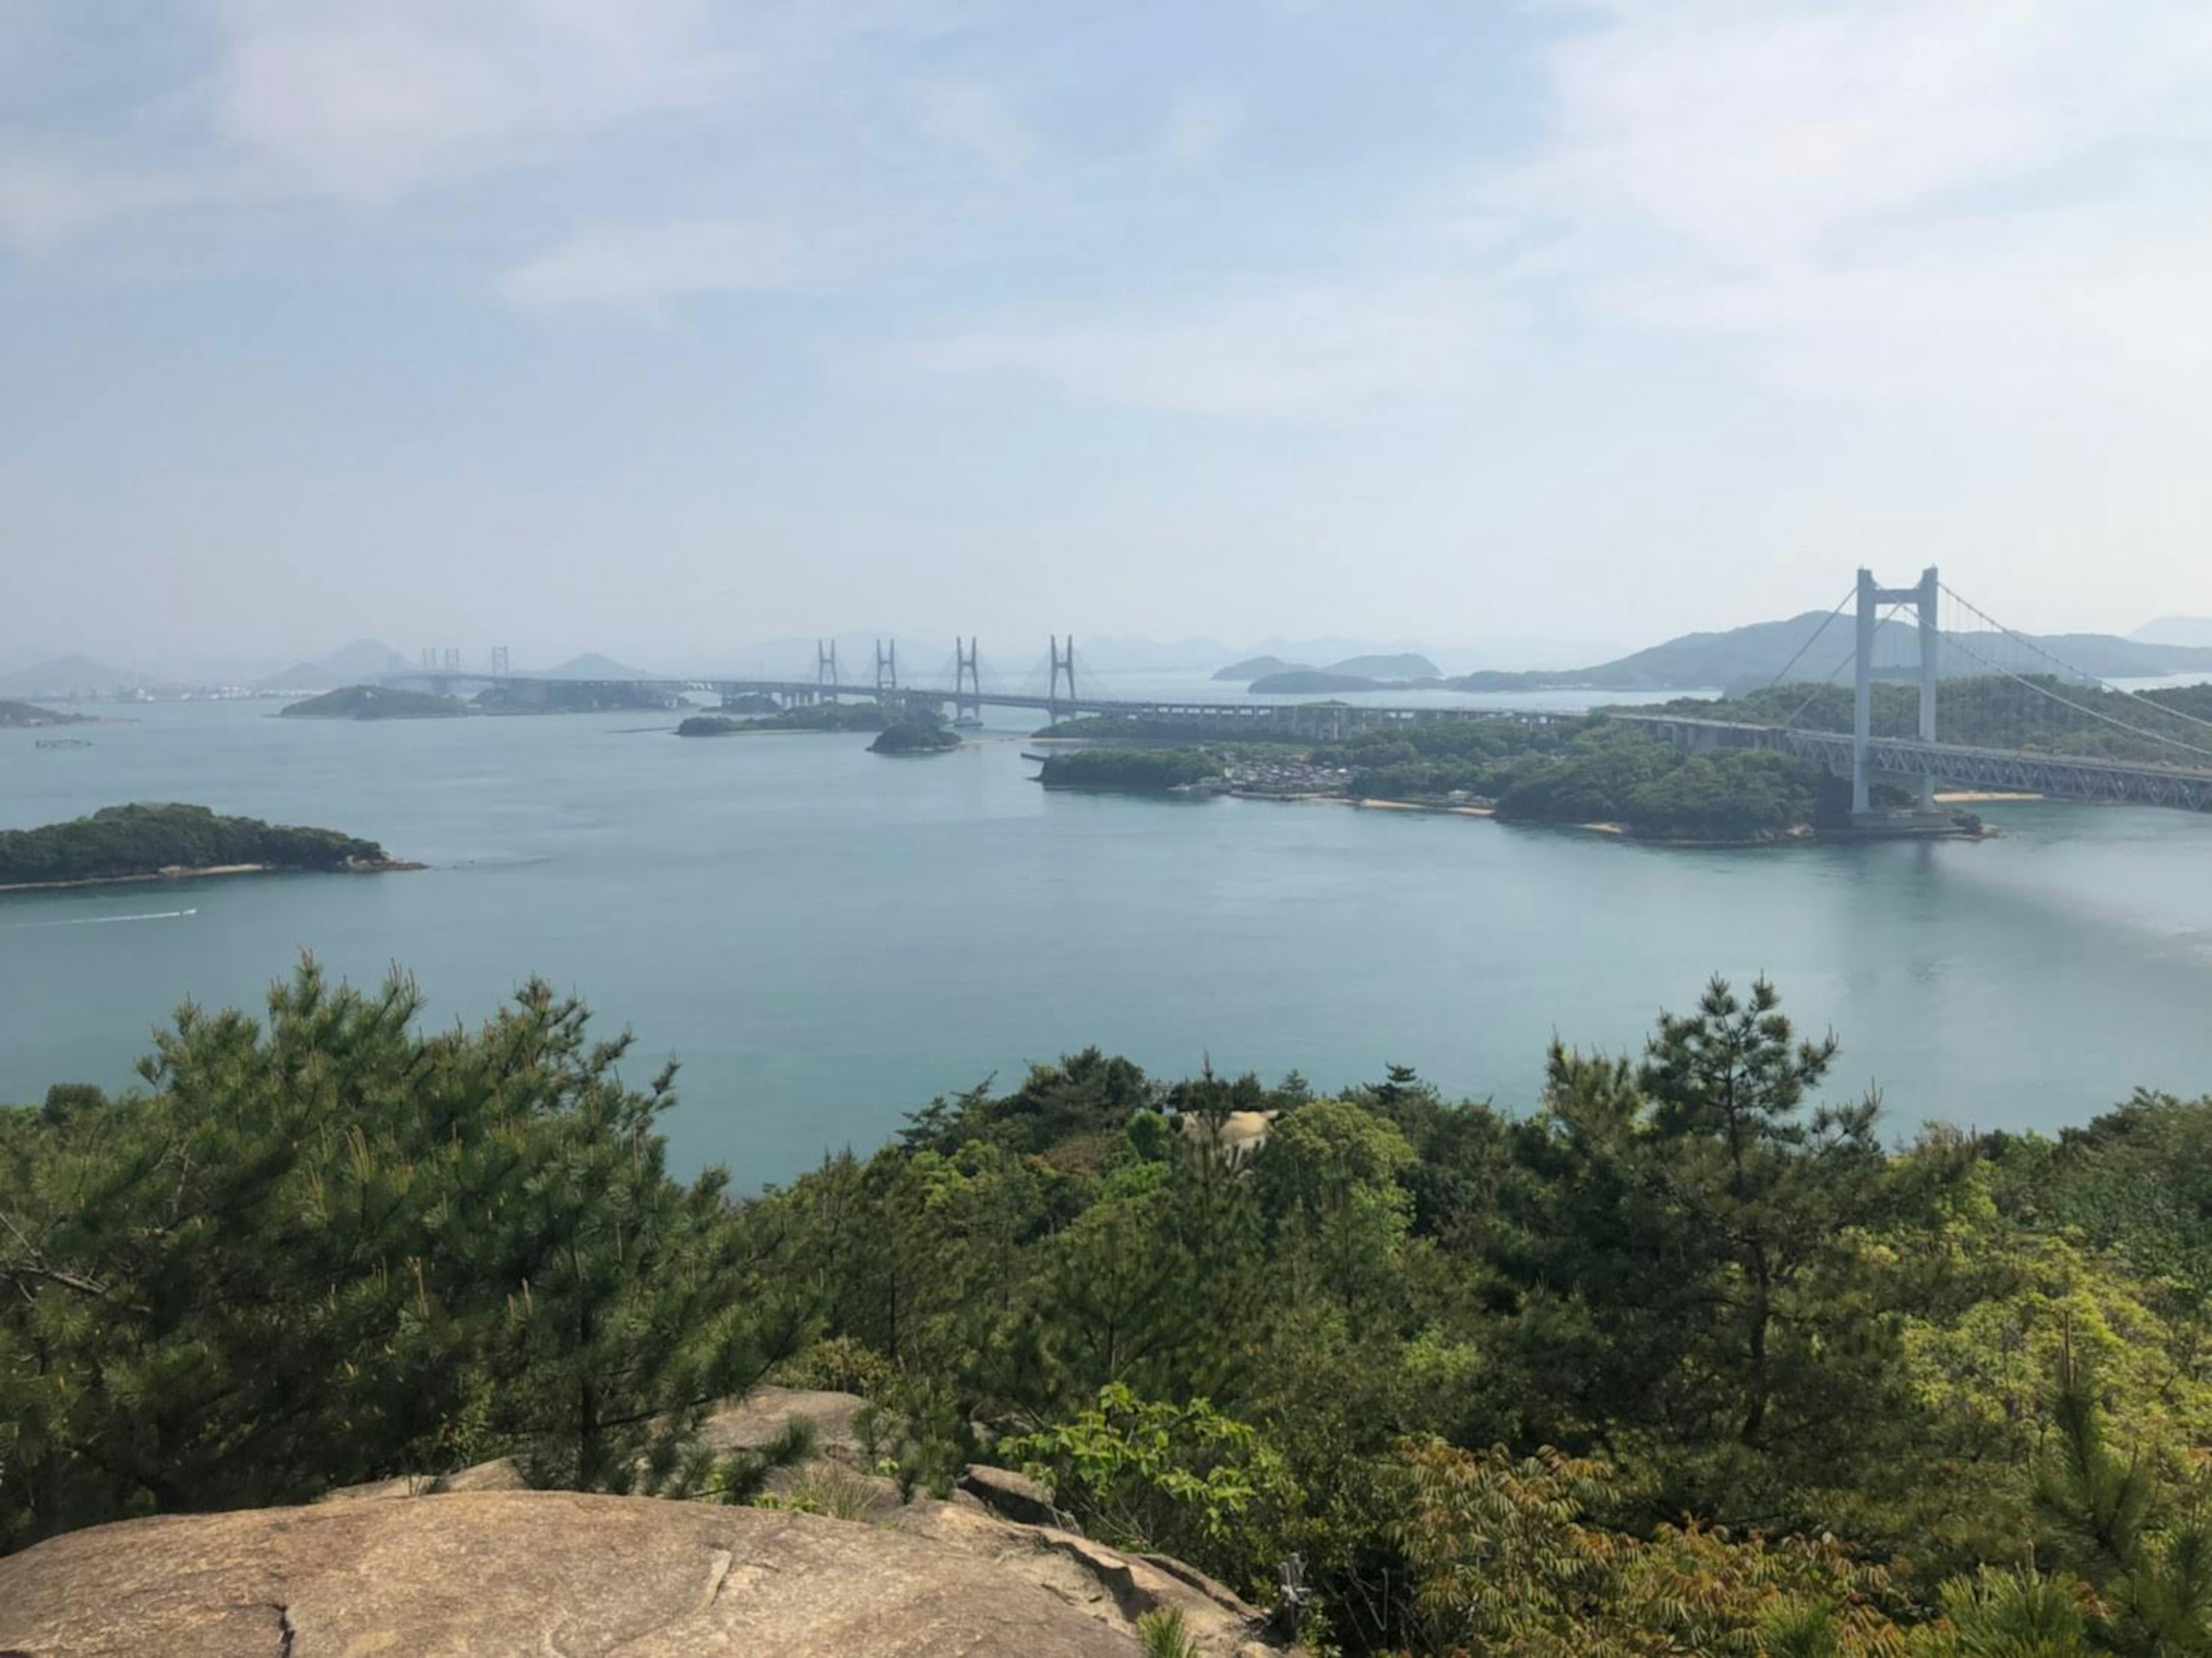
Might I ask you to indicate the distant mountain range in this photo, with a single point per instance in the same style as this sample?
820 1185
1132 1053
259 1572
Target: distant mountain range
75 676
349 664
1750 656
2175 630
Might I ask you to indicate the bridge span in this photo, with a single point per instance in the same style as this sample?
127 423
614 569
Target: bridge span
1215 716
1909 762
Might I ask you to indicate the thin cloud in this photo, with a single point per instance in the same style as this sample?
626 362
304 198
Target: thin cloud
976 121
368 100
644 268
1977 201
1292 355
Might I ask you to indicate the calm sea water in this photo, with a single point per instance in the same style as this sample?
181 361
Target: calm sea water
825 939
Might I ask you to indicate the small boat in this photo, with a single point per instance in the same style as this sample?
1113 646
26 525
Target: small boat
62 743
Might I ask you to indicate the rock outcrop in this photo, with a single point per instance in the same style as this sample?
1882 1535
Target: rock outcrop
479 1564
490 1574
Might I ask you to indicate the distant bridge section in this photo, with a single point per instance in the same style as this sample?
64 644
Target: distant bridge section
1250 718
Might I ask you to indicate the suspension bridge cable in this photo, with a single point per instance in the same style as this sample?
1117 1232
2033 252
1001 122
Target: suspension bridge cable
1813 637
1851 656
2044 690
2025 643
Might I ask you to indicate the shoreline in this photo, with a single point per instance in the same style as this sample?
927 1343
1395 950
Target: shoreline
183 872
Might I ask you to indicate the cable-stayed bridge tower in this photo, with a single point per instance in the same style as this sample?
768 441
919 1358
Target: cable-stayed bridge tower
967 677
1063 662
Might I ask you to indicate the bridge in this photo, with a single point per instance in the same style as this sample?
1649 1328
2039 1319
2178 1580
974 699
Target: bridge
2068 734
968 695
2164 753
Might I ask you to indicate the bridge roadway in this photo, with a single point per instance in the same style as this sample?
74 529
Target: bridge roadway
1902 759
1894 758
1304 718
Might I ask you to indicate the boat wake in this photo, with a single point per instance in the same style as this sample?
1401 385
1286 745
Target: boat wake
100 921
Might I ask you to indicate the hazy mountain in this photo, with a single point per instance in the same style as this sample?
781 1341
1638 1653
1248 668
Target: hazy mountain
590 665
1117 653
1756 653
365 659
1406 664
1272 674
2175 630
73 676
300 676
1258 667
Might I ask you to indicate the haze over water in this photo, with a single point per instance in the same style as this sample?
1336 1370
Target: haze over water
824 937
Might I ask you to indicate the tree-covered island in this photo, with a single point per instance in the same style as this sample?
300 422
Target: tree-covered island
1682 1354
1590 770
816 717
374 702
916 736
16 714
1144 771
145 842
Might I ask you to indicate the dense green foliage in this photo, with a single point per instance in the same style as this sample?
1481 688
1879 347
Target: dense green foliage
1125 728
30 713
1679 1360
1586 770
909 737
146 839
816 717
1994 713
328 1248
373 703
919 730
571 696
1144 770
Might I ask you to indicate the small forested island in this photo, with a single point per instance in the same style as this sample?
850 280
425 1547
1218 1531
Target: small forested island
1140 770
147 841
29 714
1311 681
374 702
816 717
915 737
1684 1354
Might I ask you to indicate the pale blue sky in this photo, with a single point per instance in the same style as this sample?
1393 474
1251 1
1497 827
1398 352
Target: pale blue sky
663 325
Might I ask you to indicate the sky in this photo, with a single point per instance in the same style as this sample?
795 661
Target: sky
668 326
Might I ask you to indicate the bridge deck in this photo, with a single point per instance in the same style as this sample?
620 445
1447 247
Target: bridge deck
2066 777
1177 710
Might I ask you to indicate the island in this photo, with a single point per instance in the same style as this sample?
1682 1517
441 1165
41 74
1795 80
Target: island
1257 667
525 696
374 702
1307 682
147 841
1139 771
915 737
820 717
17 714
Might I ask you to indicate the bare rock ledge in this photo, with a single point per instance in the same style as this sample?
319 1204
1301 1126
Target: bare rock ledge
492 1573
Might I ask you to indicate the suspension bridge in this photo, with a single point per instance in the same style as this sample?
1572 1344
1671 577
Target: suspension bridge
2017 717
1954 700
